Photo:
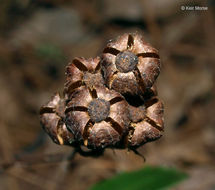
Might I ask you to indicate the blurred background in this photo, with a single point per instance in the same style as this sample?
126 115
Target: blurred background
38 38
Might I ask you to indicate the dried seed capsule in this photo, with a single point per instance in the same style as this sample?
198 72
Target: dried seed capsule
130 65
126 61
83 72
99 109
97 117
137 109
137 114
51 117
149 123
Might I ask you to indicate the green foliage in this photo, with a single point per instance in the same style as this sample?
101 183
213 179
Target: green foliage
49 52
52 57
148 178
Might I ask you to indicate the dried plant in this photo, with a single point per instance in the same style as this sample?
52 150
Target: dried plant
109 101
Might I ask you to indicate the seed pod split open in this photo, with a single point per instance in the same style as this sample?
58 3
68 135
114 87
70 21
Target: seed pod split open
98 118
131 65
51 118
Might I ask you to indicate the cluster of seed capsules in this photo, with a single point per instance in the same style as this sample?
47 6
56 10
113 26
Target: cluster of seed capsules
109 101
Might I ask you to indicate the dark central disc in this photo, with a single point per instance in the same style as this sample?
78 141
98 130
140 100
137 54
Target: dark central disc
98 110
126 61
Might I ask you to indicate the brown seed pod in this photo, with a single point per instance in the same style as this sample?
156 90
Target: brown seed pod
83 72
98 117
126 114
51 118
147 122
130 65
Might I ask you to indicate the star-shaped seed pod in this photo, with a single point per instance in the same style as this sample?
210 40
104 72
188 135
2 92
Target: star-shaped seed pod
130 65
51 118
83 72
147 122
98 118
136 109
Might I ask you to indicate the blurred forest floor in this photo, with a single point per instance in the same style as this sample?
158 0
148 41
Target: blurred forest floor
38 39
